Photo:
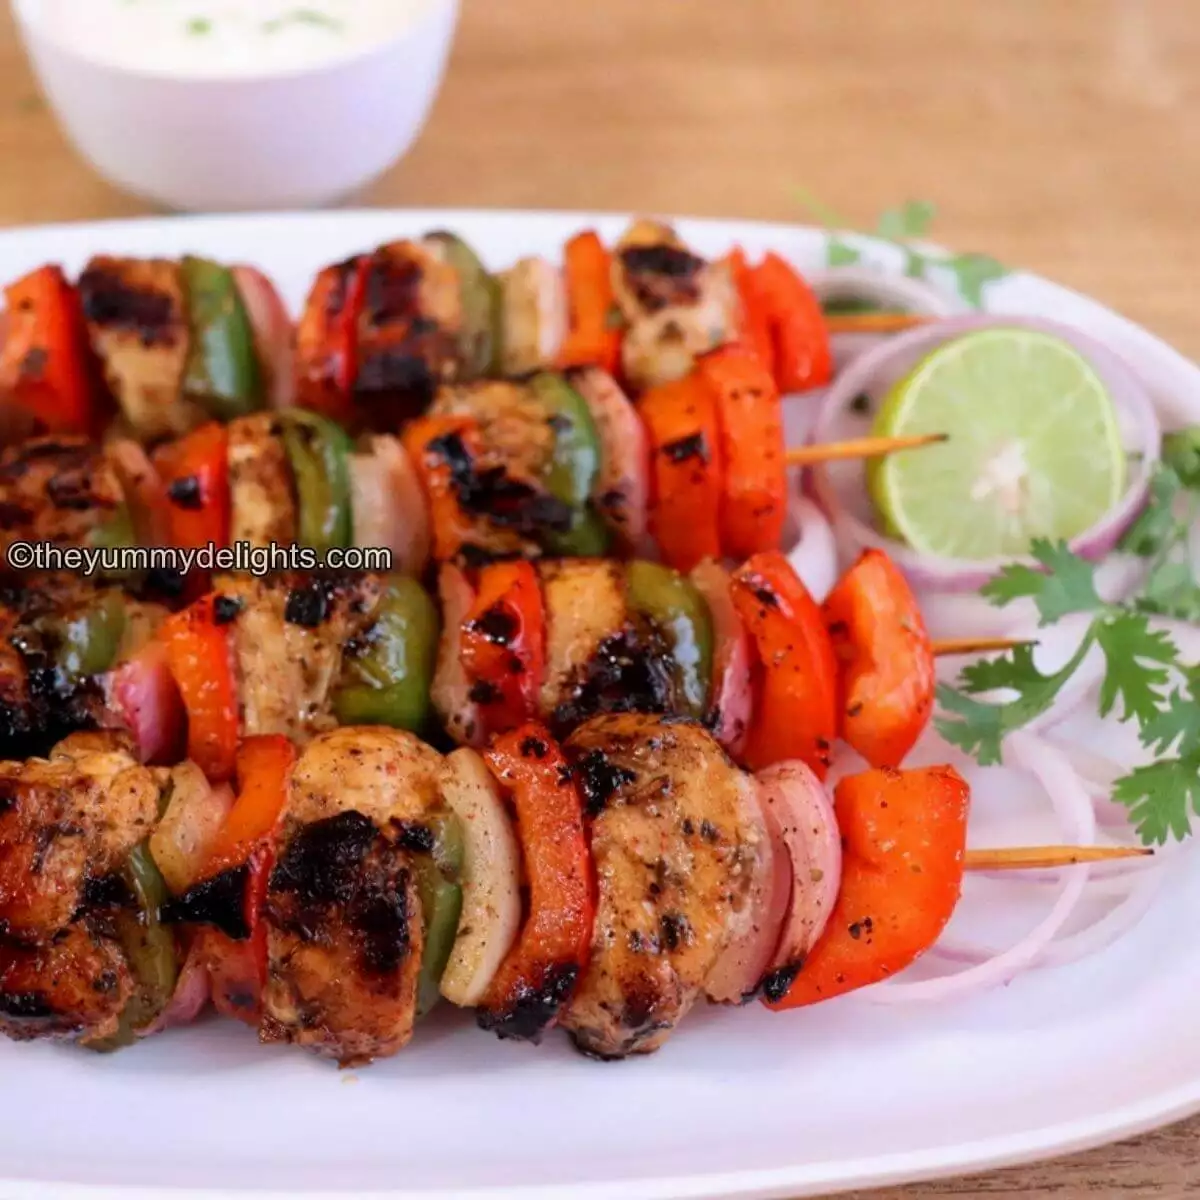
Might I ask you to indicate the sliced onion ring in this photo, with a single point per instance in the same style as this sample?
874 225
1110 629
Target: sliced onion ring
884 290
885 364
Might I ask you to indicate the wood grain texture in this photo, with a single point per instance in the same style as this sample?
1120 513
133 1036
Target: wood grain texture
1058 135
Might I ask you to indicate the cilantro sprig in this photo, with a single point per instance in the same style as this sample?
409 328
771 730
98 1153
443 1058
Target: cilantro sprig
1144 680
902 226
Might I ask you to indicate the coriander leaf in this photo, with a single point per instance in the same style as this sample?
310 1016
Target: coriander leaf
1068 584
1161 797
974 272
1181 453
979 728
1171 590
1156 526
1013 669
841 254
1129 645
1178 722
911 220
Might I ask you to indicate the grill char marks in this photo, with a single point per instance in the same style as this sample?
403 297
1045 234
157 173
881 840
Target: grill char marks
343 915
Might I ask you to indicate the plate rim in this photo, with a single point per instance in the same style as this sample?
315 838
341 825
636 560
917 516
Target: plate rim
965 1158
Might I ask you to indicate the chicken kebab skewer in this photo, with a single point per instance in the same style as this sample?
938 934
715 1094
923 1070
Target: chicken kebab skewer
770 673
606 883
166 344
553 464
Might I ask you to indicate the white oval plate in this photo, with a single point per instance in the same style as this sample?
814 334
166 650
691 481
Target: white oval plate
740 1103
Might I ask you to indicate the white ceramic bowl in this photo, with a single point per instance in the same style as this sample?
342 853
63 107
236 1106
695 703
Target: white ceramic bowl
293 140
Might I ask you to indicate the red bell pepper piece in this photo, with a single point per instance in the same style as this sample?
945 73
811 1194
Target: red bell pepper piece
755 330
237 967
539 973
327 339
799 333
593 337
794 673
46 365
195 471
438 446
200 657
686 477
886 659
754 483
904 836
503 645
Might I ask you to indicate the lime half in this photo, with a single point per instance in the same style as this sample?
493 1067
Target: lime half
1033 446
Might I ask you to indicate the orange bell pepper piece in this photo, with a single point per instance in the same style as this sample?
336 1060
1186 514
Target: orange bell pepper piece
46 365
440 448
799 333
886 658
195 472
755 330
685 471
237 966
503 645
540 972
794 674
200 658
327 339
904 837
754 475
593 338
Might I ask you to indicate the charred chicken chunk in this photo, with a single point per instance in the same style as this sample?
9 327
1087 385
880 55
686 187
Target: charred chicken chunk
137 320
345 933
673 837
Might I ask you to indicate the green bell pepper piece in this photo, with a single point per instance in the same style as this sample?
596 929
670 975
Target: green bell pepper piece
672 605
222 373
441 905
480 304
571 471
116 532
319 451
150 948
388 682
88 641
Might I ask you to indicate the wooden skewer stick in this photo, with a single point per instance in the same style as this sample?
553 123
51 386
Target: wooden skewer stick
874 322
1017 858
980 645
869 447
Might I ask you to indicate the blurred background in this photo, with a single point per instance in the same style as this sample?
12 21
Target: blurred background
1054 135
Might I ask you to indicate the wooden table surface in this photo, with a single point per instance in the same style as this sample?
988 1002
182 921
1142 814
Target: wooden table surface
1058 135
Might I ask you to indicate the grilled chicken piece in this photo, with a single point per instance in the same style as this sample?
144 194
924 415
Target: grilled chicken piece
408 333
137 320
289 633
512 423
535 317
262 503
345 933
585 604
676 305
66 821
673 840
56 489
499 489
73 987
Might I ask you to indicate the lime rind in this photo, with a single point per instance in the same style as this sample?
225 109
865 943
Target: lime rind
1034 447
